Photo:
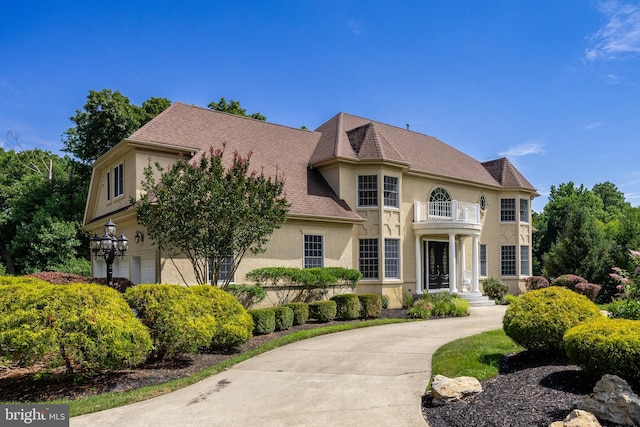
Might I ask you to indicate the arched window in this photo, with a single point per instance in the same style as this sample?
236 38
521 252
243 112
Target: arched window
440 203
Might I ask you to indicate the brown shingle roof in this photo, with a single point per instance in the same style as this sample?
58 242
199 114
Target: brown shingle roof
507 175
273 147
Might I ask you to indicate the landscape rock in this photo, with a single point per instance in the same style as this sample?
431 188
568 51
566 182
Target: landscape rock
578 418
445 390
613 401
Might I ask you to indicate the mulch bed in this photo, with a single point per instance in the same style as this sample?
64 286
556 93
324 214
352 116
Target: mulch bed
27 385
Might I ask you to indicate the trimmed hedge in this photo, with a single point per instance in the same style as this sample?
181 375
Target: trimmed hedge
86 328
284 318
234 326
371 306
300 312
568 281
533 283
323 311
606 346
180 321
538 320
264 320
347 306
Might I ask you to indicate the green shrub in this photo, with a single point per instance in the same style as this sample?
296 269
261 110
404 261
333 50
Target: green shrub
347 306
494 289
370 306
624 309
407 300
446 304
385 302
180 321
247 295
300 312
284 318
538 319
323 311
508 298
120 284
421 309
234 325
459 307
264 320
86 328
21 280
533 283
568 281
606 346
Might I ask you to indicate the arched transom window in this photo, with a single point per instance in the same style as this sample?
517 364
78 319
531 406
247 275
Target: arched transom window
440 203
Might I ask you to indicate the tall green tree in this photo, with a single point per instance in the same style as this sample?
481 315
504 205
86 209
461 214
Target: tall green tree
206 212
234 107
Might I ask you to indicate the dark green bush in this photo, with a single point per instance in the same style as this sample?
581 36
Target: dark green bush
347 306
234 325
538 319
371 306
300 312
606 346
323 311
264 320
284 318
247 295
180 321
533 283
86 328
624 309
568 281
494 289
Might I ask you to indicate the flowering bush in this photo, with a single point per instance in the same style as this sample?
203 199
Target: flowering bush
629 281
536 282
568 281
589 290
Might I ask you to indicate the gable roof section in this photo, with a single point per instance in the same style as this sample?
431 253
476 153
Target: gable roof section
507 175
347 137
273 149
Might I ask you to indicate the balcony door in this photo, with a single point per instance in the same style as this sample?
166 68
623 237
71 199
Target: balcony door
437 265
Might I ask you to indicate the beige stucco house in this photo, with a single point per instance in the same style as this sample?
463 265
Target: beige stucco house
412 213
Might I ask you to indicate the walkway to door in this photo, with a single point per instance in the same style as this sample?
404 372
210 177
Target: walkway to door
364 377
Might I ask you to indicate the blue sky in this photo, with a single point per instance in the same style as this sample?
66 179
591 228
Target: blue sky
553 85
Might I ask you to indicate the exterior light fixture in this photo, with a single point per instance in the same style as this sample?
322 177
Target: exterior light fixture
109 247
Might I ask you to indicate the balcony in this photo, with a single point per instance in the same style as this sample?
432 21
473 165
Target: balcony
451 215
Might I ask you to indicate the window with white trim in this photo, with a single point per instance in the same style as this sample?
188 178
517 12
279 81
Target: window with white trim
226 270
524 210
368 258
367 191
313 251
508 210
392 258
118 180
483 260
108 186
524 260
391 191
508 260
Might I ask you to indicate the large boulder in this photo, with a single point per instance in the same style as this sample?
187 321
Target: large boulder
445 390
577 418
613 401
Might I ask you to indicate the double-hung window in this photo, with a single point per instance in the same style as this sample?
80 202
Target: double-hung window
508 261
508 210
118 180
483 260
524 210
524 260
226 270
391 191
368 258
313 251
391 258
367 191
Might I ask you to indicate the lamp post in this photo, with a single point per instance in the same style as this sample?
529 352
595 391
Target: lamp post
109 247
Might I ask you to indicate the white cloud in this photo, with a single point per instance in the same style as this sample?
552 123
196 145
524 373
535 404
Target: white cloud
355 27
620 36
593 125
524 150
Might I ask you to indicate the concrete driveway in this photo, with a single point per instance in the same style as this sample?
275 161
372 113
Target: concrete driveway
365 377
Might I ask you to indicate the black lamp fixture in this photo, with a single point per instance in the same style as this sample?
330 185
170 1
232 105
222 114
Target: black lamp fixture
139 236
109 247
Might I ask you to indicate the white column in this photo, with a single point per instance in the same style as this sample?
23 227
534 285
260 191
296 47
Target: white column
453 268
475 282
463 262
418 267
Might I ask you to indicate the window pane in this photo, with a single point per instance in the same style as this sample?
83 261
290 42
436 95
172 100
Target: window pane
313 251
118 180
391 191
392 258
368 190
524 260
368 258
108 186
483 260
524 210
508 260
225 269
508 210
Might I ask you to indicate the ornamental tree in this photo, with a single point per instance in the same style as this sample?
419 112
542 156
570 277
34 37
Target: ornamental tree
205 212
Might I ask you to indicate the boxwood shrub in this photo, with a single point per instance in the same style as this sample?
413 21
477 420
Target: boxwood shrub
606 346
264 320
323 311
284 318
370 306
234 325
347 306
539 319
300 312
180 321
86 328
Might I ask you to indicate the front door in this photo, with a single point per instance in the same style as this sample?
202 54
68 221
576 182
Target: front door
437 263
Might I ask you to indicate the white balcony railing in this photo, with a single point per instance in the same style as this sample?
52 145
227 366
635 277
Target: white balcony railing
454 211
